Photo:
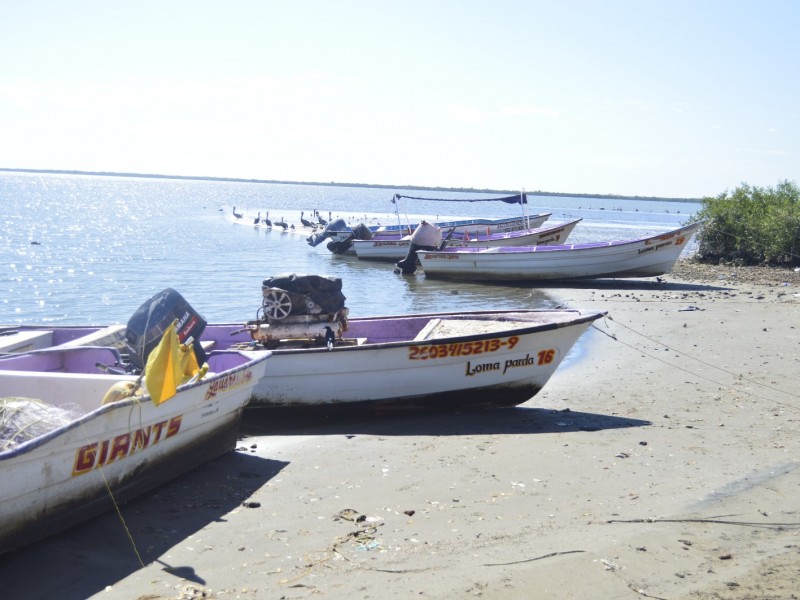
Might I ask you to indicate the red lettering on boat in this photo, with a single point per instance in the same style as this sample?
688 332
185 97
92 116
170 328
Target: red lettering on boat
120 447
229 382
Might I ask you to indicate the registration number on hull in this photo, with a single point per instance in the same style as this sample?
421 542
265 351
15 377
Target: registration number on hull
429 351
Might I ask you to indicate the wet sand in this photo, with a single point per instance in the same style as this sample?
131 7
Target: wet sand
661 463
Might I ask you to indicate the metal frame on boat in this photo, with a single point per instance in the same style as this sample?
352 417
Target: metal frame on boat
342 236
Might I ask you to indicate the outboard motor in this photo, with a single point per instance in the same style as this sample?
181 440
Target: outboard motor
335 227
360 232
340 246
425 237
147 325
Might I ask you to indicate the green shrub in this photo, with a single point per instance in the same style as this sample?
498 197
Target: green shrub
752 226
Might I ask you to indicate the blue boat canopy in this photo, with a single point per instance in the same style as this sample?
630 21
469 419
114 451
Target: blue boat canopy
521 198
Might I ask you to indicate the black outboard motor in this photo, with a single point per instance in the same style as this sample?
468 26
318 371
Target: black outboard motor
147 325
425 237
340 246
409 264
331 229
360 232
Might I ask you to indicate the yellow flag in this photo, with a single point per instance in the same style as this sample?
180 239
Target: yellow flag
169 365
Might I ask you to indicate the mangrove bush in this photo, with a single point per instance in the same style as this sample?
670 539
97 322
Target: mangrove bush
752 226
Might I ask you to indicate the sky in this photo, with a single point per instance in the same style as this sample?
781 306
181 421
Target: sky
678 98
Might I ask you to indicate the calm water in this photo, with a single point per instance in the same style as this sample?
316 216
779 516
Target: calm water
106 244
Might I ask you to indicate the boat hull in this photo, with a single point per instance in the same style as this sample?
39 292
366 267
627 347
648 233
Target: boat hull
647 257
502 366
115 452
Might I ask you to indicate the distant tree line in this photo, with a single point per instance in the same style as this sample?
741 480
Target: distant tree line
362 185
752 226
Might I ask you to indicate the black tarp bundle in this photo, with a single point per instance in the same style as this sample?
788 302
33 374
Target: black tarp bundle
324 293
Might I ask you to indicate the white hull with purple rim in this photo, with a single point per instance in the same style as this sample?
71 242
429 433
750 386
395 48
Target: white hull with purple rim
93 455
646 257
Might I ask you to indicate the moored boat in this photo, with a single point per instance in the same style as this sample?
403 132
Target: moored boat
322 358
645 257
395 248
341 235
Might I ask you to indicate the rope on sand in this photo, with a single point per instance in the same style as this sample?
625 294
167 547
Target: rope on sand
525 560
696 359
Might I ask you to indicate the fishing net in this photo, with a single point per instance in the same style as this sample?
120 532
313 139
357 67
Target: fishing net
23 419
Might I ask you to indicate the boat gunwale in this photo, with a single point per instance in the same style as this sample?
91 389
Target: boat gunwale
524 329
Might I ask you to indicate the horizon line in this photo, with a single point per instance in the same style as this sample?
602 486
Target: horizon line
338 184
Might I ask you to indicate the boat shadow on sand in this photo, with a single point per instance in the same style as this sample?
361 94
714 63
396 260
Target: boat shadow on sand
513 421
86 559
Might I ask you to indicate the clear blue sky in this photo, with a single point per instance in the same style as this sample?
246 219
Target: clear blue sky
681 98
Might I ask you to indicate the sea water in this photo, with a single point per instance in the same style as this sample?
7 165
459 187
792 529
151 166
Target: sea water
80 249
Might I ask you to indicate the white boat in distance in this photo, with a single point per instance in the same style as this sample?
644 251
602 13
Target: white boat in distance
342 235
382 248
66 456
646 257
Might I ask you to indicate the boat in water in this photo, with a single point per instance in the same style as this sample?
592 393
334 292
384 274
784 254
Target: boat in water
341 235
394 248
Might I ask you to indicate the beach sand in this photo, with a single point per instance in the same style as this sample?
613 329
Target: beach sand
660 463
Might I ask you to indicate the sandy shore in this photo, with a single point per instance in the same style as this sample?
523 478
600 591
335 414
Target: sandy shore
660 463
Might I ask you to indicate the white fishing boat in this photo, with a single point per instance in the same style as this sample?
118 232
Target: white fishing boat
395 248
323 359
646 257
341 235
74 442
432 361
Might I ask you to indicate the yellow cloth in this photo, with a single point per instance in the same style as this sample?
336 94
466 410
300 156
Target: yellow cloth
169 365
119 391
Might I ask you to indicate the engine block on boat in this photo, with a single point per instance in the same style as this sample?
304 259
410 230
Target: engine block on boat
300 307
297 329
